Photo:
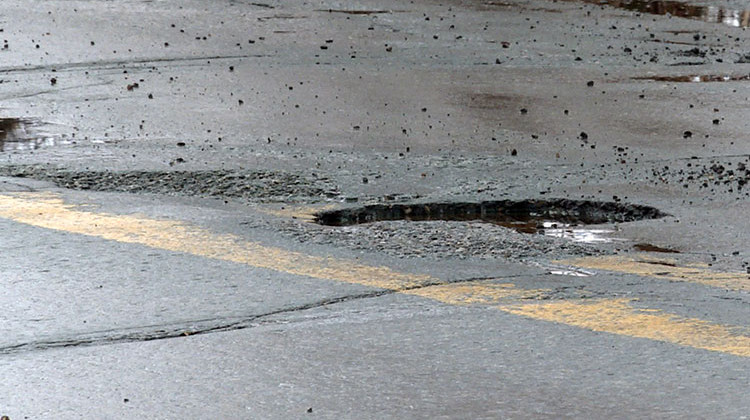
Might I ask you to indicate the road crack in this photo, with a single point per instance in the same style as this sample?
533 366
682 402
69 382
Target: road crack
204 326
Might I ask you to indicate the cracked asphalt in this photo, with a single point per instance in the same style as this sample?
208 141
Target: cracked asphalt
163 165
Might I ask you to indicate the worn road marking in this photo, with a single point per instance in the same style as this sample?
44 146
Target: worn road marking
645 265
483 292
612 316
49 211
303 213
617 317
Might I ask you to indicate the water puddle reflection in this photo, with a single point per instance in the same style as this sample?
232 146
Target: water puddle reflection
710 14
695 78
578 233
571 272
571 232
17 134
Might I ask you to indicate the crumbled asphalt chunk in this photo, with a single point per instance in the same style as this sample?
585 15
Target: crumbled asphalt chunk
439 239
251 186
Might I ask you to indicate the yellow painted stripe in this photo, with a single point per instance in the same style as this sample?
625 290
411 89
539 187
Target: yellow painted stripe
49 211
612 316
615 316
481 292
645 265
304 213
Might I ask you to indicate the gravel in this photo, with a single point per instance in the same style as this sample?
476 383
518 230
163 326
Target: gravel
439 239
251 186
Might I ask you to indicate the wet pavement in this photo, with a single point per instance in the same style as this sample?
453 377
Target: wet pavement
553 196
706 13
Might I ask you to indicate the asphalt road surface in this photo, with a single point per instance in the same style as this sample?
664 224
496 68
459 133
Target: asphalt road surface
376 209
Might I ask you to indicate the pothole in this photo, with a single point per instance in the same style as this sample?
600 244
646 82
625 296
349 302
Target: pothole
560 218
25 134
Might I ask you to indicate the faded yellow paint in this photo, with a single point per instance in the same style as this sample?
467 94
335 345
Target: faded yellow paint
612 316
645 265
304 213
49 211
615 316
481 292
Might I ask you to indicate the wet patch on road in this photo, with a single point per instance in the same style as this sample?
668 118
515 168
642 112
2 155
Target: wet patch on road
251 186
490 101
709 14
18 134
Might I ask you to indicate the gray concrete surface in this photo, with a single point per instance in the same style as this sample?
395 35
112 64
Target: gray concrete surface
226 114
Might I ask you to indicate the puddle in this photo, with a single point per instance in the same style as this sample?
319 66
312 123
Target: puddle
695 78
577 234
563 270
710 14
653 248
572 273
558 218
25 134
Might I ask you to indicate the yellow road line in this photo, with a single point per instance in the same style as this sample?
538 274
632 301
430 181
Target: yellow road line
645 265
303 213
480 292
612 316
615 316
49 211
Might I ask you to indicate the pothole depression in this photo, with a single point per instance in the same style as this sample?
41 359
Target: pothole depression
527 216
